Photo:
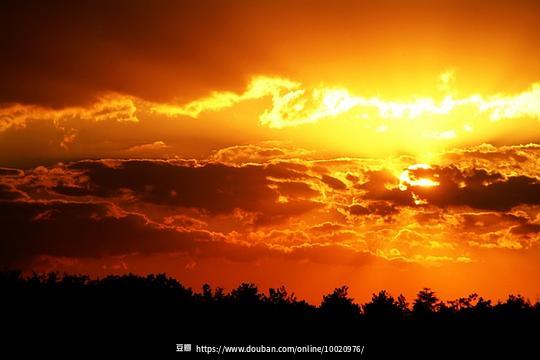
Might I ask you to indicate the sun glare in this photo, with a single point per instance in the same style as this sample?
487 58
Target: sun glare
408 179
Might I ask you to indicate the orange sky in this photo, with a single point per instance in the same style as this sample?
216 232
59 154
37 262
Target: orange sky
310 143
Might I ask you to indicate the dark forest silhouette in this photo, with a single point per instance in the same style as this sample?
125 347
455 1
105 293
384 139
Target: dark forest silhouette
160 294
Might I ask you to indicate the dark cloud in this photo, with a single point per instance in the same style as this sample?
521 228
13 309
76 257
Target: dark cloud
334 183
335 254
526 229
73 229
211 188
383 185
33 229
10 172
382 208
378 208
480 189
296 189
473 187
357 209
288 170
8 192
63 52
426 217
71 190
491 221
273 192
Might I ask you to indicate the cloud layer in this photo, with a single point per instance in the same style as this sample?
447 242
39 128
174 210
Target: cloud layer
279 208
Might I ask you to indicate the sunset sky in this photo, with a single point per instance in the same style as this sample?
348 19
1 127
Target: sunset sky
379 144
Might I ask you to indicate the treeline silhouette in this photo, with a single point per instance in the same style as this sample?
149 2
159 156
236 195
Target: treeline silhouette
160 295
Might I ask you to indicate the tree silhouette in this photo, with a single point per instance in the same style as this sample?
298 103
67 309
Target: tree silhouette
338 305
206 295
425 304
162 296
246 294
515 307
280 296
383 306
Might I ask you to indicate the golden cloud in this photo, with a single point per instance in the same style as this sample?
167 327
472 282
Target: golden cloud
294 105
